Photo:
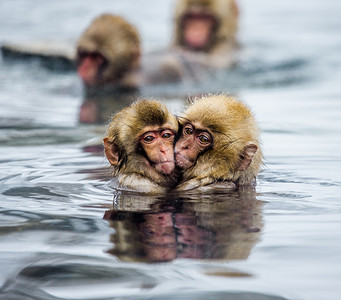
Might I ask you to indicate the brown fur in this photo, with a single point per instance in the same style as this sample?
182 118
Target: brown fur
117 40
234 129
123 136
224 11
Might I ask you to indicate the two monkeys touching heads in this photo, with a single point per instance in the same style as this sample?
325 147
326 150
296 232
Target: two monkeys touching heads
215 143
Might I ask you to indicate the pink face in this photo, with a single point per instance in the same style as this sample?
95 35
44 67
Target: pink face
89 67
192 142
197 32
158 236
159 148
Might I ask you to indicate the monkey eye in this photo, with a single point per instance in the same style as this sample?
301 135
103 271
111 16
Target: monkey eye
167 134
188 130
148 138
204 139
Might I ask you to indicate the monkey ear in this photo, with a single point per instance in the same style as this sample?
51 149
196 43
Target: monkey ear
247 156
111 151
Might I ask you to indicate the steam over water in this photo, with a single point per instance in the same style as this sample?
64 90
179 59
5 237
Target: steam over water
65 234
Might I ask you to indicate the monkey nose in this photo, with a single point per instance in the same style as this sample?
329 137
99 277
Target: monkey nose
180 146
184 146
164 151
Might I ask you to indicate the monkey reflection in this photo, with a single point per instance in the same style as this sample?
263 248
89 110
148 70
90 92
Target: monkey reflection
223 226
157 234
97 108
194 241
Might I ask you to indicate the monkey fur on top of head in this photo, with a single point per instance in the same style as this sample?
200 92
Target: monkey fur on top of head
107 50
140 146
219 143
218 18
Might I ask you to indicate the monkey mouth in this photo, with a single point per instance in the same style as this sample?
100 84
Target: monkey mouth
198 39
166 167
182 161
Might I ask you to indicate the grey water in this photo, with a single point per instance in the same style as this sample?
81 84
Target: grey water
66 234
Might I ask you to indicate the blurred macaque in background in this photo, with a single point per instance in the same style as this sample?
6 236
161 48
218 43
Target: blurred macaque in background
108 52
207 27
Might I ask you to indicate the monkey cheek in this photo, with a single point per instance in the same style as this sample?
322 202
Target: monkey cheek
182 161
165 168
87 70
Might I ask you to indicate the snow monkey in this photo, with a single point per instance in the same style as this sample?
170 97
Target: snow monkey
109 55
140 146
219 144
108 51
207 26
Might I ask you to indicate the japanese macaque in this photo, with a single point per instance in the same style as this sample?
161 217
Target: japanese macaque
207 26
109 55
219 144
108 52
140 146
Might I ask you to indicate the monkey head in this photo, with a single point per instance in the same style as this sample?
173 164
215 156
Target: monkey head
202 25
140 141
106 50
219 141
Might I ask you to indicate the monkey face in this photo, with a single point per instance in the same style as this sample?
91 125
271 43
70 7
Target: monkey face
205 25
193 141
91 66
107 50
198 30
158 148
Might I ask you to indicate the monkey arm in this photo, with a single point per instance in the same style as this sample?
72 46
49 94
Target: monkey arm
207 184
139 183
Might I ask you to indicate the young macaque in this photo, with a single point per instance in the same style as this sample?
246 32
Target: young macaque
108 52
109 55
219 144
207 27
140 146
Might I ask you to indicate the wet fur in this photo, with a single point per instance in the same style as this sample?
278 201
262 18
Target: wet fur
234 127
124 131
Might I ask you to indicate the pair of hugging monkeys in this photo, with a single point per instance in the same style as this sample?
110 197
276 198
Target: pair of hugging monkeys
214 144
